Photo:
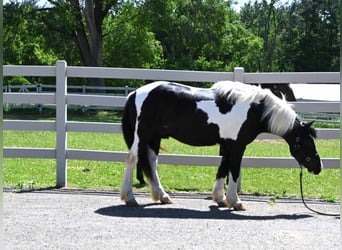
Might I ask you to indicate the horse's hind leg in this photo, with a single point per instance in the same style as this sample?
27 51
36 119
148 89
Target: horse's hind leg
157 190
127 183
148 160
140 176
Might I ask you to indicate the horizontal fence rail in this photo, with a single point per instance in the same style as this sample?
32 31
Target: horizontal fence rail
84 89
61 99
173 159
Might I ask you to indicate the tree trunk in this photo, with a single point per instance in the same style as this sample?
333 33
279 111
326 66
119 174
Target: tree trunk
87 31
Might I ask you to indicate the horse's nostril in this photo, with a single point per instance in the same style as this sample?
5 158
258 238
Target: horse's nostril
317 171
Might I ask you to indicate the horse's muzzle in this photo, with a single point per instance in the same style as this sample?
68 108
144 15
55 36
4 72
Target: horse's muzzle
315 167
316 172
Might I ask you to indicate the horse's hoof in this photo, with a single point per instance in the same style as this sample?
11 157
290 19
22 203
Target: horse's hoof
223 203
240 207
132 203
166 200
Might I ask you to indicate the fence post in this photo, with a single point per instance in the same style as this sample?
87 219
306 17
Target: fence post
61 119
239 74
39 90
239 77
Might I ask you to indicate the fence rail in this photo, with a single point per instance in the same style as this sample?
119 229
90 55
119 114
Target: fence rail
84 89
61 99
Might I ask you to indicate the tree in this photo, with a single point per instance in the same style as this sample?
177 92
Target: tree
201 35
301 36
81 21
128 41
24 40
318 44
266 20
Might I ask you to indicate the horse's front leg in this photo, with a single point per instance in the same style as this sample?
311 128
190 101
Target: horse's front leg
233 200
230 166
222 172
218 193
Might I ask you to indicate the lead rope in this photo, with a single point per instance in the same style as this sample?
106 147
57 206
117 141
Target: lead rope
302 195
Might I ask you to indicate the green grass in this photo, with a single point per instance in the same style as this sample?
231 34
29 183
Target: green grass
40 173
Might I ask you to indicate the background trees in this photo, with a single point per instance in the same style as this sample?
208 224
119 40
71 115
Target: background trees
129 41
318 44
302 36
25 41
201 35
175 34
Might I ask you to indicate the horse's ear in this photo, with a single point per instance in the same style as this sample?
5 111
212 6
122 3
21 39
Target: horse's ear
312 130
309 124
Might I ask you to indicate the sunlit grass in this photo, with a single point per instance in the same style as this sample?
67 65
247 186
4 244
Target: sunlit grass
41 173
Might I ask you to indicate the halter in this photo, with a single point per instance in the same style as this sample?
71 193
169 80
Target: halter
297 147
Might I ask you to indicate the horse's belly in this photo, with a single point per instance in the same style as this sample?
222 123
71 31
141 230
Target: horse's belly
193 137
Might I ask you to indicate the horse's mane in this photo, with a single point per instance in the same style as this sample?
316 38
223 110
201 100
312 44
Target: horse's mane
277 112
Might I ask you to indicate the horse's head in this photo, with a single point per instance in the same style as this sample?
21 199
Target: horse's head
302 146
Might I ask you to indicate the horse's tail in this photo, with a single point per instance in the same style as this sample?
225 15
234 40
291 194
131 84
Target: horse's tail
128 120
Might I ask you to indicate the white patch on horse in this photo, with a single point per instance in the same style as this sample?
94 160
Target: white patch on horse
281 116
218 191
230 123
233 199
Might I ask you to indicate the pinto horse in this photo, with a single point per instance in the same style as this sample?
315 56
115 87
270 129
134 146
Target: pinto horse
230 114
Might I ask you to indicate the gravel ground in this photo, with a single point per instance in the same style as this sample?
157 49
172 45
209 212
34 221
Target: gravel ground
79 219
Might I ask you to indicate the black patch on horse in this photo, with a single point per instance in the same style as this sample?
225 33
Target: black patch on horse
225 105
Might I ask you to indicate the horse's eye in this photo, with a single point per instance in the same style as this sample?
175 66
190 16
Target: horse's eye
308 159
297 139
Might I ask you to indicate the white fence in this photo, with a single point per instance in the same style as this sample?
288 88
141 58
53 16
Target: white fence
84 89
62 126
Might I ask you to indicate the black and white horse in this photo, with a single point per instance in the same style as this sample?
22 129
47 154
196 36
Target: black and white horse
230 114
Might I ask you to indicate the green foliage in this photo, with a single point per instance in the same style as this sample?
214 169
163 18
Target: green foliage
301 35
201 35
18 80
318 47
24 38
128 43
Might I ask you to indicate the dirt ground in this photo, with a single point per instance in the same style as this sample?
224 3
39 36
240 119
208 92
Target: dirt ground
83 219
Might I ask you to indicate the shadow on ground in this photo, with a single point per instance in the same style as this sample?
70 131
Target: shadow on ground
154 210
